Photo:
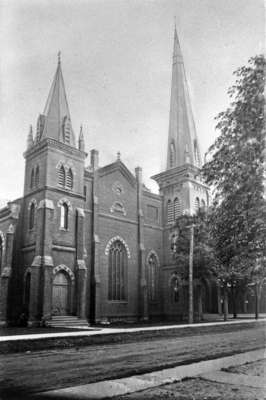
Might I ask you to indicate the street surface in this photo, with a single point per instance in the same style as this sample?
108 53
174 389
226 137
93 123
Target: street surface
23 373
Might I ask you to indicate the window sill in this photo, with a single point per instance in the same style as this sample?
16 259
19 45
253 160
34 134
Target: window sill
64 229
118 301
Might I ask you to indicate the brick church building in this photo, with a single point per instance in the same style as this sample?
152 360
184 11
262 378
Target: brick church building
91 242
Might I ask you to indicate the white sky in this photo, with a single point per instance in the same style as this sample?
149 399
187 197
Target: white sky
116 61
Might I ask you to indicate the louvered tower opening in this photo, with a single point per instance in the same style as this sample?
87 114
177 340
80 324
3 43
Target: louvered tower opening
61 176
69 179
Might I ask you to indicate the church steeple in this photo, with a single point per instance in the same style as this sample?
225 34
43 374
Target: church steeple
55 122
183 147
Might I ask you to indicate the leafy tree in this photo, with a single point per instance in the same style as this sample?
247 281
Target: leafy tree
236 173
204 263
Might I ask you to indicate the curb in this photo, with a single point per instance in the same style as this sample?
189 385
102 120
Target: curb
13 344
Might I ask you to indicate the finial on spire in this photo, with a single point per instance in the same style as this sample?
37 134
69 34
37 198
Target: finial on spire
59 57
175 21
118 156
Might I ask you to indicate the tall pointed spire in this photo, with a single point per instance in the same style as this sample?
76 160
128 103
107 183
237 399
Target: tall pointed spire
56 115
183 147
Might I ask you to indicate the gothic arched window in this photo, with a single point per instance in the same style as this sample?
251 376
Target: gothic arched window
170 211
152 277
177 208
61 176
32 216
37 176
174 288
196 204
172 155
117 271
64 216
69 179
32 178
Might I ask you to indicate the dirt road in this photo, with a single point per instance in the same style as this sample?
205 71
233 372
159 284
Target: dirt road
51 369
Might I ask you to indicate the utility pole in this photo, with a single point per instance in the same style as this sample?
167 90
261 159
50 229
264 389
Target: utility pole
190 277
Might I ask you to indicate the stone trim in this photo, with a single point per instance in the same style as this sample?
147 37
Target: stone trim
32 201
63 267
46 203
112 240
66 201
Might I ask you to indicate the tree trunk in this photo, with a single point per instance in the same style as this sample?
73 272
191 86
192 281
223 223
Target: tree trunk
234 301
200 304
225 304
256 301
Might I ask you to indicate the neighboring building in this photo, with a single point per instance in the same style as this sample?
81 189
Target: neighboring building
92 241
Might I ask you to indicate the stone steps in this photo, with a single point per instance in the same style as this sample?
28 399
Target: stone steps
67 321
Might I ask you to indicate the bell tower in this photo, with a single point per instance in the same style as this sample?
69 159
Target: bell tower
180 184
54 207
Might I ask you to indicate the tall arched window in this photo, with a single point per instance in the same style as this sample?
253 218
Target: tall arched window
170 211
32 216
117 271
177 208
196 204
172 155
37 176
203 204
69 179
32 179
61 176
152 277
64 216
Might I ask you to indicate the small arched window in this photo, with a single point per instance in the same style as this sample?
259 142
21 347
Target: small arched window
117 271
172 155
37 177
32 216
177 208
32 178
170 211
69 179
64 216
196 204
152 277
61 176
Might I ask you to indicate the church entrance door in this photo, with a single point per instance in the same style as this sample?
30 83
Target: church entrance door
61 294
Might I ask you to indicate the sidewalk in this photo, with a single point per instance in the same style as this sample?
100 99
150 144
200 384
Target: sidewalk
111 331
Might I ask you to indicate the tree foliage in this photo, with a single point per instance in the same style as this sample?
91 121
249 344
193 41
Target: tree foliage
236 172
204 263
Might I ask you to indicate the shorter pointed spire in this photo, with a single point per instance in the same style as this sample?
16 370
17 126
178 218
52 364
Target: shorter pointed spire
81 139
30 138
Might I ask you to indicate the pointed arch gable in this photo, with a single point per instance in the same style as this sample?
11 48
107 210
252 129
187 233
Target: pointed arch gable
63 267
114 239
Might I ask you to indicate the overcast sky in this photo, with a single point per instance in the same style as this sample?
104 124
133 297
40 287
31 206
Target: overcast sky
116 62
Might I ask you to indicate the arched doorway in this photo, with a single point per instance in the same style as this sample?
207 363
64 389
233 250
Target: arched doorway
61 294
